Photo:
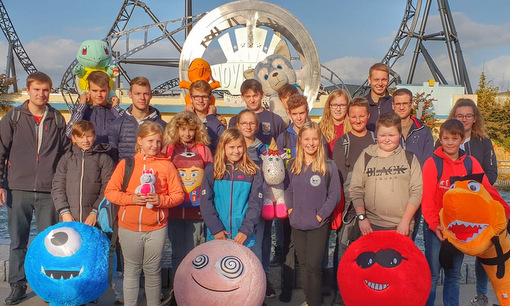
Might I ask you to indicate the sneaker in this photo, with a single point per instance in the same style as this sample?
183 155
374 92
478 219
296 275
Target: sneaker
270 292
18 292
480 300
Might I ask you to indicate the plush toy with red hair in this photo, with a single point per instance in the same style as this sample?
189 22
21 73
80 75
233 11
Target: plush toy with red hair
384 268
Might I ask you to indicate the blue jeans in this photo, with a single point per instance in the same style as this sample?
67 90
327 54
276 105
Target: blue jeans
482 279
452 276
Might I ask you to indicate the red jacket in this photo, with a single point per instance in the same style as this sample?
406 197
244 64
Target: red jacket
168 185
433 191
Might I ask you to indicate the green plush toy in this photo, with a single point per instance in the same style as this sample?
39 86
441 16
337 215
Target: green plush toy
94 55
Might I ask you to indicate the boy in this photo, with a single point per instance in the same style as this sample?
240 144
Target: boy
454 162
386 186
123 130
284 94
200 94
271 125
378 97
100 113
81 176
298 113
32 140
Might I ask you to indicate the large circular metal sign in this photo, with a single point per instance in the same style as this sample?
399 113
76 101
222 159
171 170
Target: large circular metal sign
251 42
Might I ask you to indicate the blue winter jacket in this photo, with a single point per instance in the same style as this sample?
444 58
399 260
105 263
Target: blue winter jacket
419 141
123 131
101 116
233 204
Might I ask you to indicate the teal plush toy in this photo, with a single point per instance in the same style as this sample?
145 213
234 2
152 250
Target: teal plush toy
94 55
67 264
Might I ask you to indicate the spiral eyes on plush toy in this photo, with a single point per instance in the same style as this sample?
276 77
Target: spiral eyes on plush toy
229 266
386 258
63 242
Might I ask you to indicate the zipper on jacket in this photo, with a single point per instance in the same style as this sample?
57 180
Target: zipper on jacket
231 196
80 206
492 156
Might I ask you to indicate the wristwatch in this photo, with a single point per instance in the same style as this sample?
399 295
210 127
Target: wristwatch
361 217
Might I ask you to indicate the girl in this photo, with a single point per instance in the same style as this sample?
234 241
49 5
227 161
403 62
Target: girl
186 143
333 118
248 125
142 230
311 196
231 199
477 144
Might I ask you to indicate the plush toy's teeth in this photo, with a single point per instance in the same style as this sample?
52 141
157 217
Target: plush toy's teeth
81 271
70 276
42 270
51 275
376 286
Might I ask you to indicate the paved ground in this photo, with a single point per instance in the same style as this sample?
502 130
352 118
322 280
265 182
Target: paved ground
466 294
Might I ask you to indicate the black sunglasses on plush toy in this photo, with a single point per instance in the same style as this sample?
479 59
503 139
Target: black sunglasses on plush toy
387 258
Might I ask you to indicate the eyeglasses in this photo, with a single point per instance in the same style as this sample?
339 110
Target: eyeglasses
199 98
246 124
338 106
404 104
467 117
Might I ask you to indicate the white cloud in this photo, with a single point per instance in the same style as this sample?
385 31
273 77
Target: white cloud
352 70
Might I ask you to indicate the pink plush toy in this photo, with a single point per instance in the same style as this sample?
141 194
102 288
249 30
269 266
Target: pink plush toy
222 273
147 179
273 169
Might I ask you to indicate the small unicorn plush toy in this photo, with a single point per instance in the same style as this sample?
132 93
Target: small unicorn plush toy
273 169
147 179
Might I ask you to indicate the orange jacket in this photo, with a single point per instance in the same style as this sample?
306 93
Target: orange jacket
168 185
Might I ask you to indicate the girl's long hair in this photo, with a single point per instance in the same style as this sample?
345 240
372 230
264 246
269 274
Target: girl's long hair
319 159
245 165
148 128
478 130
327 124
185 119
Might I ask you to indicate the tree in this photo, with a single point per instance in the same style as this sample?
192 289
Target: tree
423 110
486 93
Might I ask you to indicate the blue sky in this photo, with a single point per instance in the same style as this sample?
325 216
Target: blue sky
349 35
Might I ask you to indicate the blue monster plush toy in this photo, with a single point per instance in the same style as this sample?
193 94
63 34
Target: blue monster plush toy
94 55
67 264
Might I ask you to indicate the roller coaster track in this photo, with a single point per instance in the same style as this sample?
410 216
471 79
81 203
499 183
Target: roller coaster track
14 41
118 32
407 32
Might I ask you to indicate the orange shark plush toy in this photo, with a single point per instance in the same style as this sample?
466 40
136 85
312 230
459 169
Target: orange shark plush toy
476 225
199 69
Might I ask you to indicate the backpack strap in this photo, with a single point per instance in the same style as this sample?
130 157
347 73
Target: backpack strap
346 142
438 161
409 157
468 164
285 139
15 115
201 150
169 150
128 171
368 157
373 136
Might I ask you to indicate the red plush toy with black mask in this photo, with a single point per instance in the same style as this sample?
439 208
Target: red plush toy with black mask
384 268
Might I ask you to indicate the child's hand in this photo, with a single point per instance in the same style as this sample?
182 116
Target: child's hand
318 218
403 228
139 199
152 198
221 235
91 220
365 227
84 97
115 101
189 108
439 233
240 238
289 211
211 110
67 217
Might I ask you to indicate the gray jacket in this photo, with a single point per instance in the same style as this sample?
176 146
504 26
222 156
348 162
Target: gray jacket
79 182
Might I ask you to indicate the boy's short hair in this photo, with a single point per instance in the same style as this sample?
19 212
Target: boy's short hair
81 127
359 101
100 78
287 90
297 100
200 85
403 92
252 84
452 126
140 81
379 66
389 120
39 77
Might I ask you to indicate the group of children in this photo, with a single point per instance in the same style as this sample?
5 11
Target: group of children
194 195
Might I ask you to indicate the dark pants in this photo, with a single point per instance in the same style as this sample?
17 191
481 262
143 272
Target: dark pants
309 247
288 267
20 209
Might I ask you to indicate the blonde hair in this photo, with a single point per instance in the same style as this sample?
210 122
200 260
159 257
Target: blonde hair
185 119
357 101
326 124
319 159
148 128
246 165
